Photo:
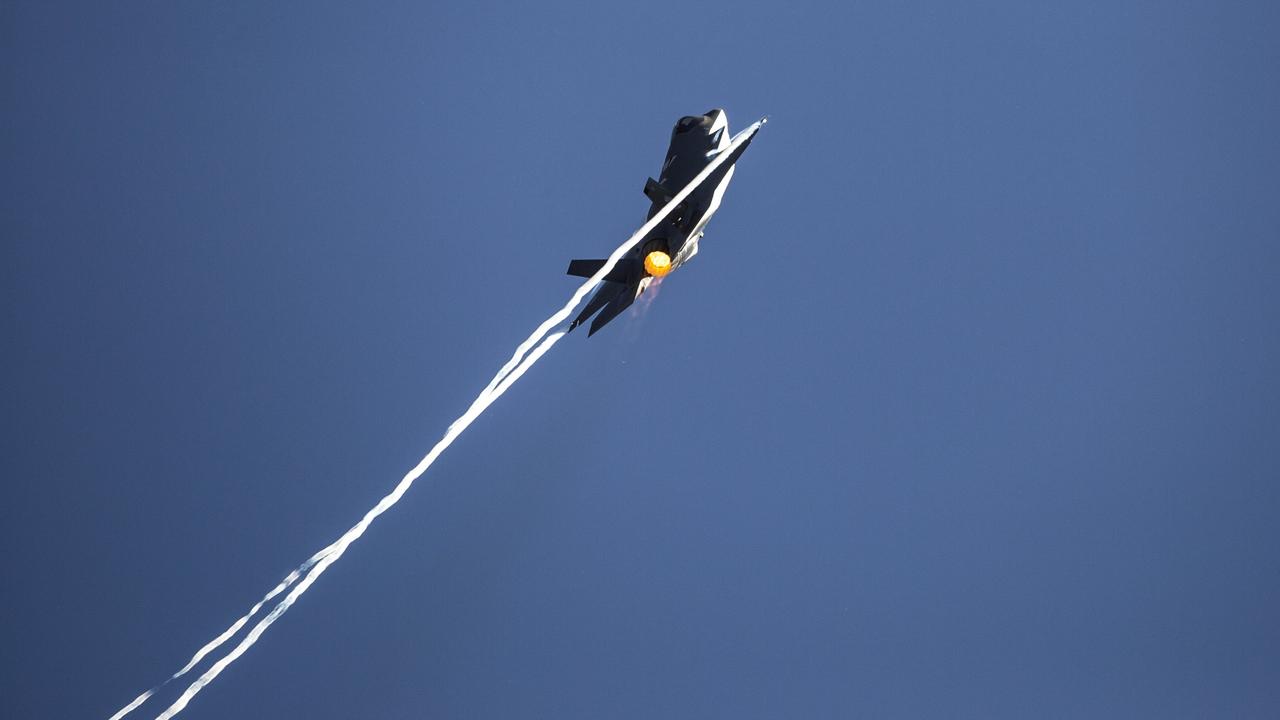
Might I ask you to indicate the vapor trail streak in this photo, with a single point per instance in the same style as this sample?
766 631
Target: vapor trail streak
335 551
526 354
213 644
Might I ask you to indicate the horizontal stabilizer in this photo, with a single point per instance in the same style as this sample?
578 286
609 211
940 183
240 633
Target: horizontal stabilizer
621 273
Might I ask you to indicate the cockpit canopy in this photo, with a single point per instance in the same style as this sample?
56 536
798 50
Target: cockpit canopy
689 122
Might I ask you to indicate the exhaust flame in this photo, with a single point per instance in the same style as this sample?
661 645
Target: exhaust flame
657 263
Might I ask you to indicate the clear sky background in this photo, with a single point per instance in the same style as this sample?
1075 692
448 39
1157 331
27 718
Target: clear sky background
968 408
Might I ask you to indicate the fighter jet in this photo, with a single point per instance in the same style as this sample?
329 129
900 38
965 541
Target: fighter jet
695 142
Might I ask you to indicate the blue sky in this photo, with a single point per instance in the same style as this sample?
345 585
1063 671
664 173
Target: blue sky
967 408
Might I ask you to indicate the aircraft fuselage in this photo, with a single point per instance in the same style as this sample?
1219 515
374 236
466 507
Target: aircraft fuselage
695 142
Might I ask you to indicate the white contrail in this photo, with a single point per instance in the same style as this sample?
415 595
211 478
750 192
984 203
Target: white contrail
340 546
136 702
526 354
235 627
226 635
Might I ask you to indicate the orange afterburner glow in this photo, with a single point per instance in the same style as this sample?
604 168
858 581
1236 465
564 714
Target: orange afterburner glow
657 263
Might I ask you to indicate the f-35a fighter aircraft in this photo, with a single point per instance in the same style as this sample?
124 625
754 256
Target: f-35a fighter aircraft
695 142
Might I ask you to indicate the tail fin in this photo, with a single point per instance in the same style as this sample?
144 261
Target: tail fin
606 292
620 302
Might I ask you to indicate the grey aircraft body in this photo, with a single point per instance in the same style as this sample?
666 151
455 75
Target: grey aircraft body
695 142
